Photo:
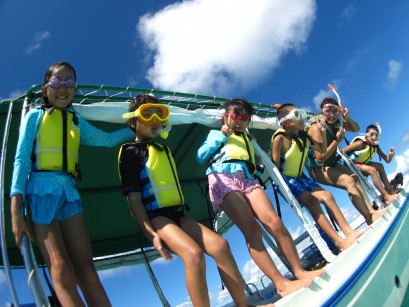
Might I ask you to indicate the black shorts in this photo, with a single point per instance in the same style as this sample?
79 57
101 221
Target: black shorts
174 213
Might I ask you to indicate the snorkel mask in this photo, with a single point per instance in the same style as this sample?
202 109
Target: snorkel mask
152 114
375 136
299 115
330 108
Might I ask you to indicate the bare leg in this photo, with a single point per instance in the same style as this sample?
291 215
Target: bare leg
218 248
192 256
373 172
236 207
342 177
273 224
79 249
335 213
311 201
51 243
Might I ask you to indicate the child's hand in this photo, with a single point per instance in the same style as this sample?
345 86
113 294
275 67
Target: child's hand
19 228
226 130
392 150
345 113
322 125
157 244
320 119
340 134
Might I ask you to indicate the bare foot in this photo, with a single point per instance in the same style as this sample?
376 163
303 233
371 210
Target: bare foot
390 198
343 244
374 215
303 274
356 233
290 286
267 305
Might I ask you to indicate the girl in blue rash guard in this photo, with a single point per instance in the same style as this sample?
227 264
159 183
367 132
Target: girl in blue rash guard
44 177
232 188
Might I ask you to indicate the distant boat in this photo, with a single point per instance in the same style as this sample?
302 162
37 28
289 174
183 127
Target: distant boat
373 271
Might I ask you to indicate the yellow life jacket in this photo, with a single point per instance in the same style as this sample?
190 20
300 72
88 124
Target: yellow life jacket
292 163
57 142
163 176
238 148
365 155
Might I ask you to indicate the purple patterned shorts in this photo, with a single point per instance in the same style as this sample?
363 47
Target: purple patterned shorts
221 184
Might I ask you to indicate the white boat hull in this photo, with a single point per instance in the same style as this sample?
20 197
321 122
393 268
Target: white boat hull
373 272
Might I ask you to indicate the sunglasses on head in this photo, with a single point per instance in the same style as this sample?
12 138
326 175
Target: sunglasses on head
57 82
234 116
150 113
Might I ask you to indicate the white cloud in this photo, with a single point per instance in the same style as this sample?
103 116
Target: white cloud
325 93
349 12
395 68
402 162
188 303
223 297
252 273
37 41
215 46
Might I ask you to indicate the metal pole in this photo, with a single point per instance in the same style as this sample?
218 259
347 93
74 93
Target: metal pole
6 262
155 281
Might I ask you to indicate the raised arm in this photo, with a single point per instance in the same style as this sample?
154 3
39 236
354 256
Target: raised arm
387 158
349 123
354 146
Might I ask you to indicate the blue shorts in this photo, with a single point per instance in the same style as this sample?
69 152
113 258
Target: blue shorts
48 207
299 185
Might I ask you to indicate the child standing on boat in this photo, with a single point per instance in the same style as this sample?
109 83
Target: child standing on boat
44 176
289 149
233 189
326 168
362 150
150 182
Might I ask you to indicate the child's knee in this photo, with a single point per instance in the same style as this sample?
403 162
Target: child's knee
327 197
195 255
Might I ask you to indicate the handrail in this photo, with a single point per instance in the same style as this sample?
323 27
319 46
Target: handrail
256 293
2 223
33 279
155 282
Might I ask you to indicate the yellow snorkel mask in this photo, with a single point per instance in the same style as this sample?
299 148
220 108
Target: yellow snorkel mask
152 114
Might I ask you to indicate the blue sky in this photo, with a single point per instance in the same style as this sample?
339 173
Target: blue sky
268 51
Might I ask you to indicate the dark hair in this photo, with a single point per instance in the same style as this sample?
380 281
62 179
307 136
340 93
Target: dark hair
49 73
136 103
283 110
51 69
328 100
237 105
372 127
